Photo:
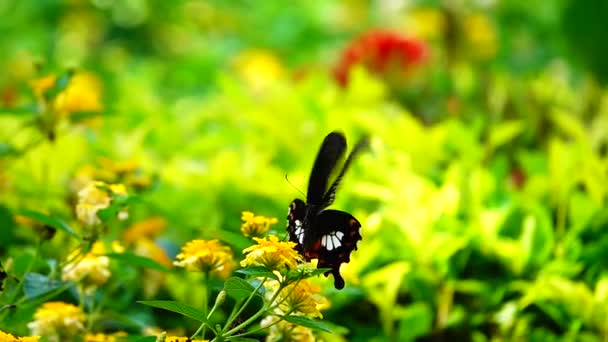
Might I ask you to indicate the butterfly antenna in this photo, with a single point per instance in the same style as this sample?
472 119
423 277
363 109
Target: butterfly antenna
300 191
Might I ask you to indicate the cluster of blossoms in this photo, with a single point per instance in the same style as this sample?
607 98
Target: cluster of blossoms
255 225
383 53
58 321
95 197
287 293
6 337
206 256
127 172
89 271
82 94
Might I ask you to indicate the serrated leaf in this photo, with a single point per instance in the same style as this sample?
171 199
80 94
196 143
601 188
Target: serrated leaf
258 271
238 288
50 221
136 260
180 308
307 322
36 284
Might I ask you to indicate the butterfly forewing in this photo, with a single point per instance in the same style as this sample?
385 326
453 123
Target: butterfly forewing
330 195
331 151
336 234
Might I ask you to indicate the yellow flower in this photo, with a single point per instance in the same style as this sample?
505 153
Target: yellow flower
426 22
206 256
99 337
181 339
258 68
147 229
43 84
285 331
5 337
272 253
255 225
58 321
82 94
94 197
302 297
481 35
90 271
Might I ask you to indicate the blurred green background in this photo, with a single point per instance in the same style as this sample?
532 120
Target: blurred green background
482 199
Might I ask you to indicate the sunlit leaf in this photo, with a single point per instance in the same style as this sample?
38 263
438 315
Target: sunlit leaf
238 288
307 322
258 271
180 308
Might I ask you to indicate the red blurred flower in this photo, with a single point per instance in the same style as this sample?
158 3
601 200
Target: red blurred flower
381 52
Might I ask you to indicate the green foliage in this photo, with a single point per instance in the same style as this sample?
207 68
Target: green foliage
482 199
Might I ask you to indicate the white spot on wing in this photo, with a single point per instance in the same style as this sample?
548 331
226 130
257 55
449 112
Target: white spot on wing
324 240
298 224
339 235
335 241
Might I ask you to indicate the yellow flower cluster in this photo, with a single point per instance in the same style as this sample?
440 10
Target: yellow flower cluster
127 172
206 256
285 331
57 321
181 339
94 197
303 298
6 337
255 225
272 253
82 94
90 271
99 337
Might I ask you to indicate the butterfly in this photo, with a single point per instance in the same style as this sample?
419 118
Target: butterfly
324 234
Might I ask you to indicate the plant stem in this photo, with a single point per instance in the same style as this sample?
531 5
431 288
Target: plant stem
203 327
257 314
242 308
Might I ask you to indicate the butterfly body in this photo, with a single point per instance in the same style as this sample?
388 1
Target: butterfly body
325 234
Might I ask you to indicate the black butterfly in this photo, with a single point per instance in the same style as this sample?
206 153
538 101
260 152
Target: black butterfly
327 235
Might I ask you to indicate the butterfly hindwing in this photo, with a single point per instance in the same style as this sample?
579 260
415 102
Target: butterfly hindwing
331 151
336 234
295 223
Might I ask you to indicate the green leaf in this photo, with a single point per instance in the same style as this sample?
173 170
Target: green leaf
244 339
258 271
50 221
180 308
238 288
505 132
136 260
146 339
307 322
7 150
36 284
416 320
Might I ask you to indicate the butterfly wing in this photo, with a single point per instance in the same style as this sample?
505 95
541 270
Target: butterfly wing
330 195
336 234
331 151
295 223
